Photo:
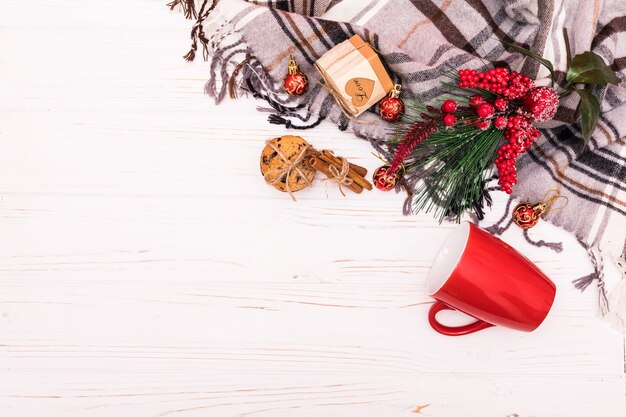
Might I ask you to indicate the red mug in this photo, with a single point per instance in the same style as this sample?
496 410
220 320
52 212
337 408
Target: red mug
483 277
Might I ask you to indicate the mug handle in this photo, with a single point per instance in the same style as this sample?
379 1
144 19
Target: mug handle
453 331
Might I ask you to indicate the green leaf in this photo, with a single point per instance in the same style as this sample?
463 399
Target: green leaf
534 56
589 112
590 68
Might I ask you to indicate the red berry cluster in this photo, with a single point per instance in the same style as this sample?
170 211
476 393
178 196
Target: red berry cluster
506 113
486 111
520 134
449 107
509 84
505 162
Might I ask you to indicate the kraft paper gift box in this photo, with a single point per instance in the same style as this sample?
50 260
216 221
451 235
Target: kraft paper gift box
355 75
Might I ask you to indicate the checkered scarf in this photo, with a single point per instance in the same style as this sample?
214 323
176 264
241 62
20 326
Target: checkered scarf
250 41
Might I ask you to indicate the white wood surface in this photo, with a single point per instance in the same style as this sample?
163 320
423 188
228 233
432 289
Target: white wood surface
147 270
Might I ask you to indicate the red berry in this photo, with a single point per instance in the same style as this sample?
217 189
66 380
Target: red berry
541 103
500 122
449 106
449 120
484 125
476 100
500 104
484 110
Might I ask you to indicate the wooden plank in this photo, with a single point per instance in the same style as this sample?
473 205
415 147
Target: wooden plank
182 387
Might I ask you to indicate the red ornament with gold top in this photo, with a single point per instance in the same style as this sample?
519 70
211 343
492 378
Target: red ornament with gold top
526 215
383 179
295 83
391 108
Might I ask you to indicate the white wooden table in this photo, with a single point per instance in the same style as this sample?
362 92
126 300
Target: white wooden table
147 270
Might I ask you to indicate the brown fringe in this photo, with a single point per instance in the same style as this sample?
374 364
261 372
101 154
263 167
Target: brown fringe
188 7
233 78
197 32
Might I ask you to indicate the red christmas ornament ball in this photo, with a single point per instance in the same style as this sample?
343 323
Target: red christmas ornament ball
449 120
484 110
296 84
448 106
391 108
525 216
541 103
383 180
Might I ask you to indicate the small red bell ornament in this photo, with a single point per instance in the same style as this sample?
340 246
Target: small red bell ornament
527 215
391 108
295 83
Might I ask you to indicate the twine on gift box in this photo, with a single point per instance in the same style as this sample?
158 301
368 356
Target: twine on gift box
284 172
340 176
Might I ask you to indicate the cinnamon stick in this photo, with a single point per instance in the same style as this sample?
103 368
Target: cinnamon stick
337 162
331 159
356 168
324 167
362 171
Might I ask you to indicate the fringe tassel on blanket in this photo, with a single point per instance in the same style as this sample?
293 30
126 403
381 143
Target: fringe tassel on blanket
598 274
187 6
612 305
197 32
278 120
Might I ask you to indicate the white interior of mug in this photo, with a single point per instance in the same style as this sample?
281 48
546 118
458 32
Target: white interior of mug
448 257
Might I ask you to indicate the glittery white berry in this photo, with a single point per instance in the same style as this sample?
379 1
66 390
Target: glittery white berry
541 103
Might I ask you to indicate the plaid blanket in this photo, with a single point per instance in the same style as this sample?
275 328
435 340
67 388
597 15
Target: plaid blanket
250 41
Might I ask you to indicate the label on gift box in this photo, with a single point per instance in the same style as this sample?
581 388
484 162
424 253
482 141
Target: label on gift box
355 75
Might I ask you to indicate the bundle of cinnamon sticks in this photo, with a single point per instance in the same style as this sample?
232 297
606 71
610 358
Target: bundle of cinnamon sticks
290 163
337 169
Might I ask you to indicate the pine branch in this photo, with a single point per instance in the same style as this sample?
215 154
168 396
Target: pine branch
451 165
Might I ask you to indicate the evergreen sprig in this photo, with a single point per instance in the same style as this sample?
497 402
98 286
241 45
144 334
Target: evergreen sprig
451 165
